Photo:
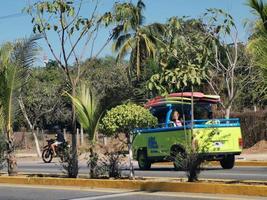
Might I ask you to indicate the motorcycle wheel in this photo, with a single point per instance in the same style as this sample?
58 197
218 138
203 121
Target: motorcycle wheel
47 155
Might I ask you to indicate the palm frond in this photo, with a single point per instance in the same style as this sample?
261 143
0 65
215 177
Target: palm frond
150 47
120 41
125 48
260 9
15 58
87 110
25 51
141 5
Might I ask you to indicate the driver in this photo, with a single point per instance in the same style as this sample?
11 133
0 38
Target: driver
59 139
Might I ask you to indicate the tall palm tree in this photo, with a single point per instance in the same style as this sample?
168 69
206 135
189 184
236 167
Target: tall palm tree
15 60
131 36
88 115
257 45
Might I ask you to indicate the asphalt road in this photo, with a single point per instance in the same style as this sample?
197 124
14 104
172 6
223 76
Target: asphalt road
19 192
237 173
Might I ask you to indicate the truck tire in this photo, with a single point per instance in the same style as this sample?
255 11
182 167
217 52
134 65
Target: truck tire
228 162
143 162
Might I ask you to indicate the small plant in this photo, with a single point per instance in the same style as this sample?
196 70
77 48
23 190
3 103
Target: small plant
191 159
108 163
190 162
68 162
112 159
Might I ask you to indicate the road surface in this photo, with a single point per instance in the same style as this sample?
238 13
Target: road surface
19 192
237 173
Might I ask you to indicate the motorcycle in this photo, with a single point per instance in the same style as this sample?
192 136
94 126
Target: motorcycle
61 150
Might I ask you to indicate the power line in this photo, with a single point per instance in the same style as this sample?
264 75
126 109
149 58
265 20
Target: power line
12 16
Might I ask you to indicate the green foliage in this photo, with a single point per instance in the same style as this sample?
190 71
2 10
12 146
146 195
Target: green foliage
109 81
183 56
173 80
87 110
125 118
258 41
44 104
43 11
131 36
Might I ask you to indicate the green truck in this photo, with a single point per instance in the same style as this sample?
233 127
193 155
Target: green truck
221 137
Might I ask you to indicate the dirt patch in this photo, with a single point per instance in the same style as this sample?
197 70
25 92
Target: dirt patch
259 147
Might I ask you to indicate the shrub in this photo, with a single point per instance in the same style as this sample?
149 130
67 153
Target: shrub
107 163
124 119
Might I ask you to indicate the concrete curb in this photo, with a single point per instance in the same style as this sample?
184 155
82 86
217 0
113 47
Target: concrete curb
214 163
145 185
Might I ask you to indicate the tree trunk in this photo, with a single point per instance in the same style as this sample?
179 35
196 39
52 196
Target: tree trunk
31 125
227 112
255 108
131 167
138 70
12 167
192 120
36 144
82 136
73 169
92 162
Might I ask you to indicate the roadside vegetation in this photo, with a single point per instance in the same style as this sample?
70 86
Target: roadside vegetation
77 88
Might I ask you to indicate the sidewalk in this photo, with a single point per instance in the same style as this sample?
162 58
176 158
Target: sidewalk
252 157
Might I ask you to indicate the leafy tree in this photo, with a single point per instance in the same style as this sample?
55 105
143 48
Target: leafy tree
74 33
182 56
108 79
124 119
40 101
88 115
131 36
258 41
40 97
15 59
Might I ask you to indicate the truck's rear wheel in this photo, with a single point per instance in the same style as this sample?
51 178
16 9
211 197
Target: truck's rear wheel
143 162
228 162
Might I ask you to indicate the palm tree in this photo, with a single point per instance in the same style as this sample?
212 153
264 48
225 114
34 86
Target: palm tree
88 115
131 36
257 45
15 59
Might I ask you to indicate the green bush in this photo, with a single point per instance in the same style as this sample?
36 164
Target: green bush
124 118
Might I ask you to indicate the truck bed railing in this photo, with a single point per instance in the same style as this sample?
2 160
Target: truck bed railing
203 123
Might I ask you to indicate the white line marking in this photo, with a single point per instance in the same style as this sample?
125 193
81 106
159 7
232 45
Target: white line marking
108 196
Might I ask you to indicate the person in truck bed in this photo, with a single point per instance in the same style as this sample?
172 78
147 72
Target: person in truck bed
176 119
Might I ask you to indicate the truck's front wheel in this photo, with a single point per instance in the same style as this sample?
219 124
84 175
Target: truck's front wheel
143 162
228 162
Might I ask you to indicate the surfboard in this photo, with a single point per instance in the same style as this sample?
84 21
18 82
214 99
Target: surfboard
187 94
